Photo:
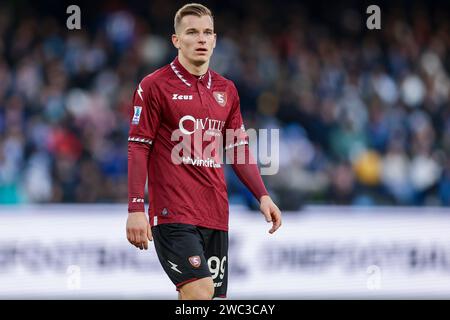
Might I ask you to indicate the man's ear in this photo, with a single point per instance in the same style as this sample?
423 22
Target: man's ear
175 41
215 40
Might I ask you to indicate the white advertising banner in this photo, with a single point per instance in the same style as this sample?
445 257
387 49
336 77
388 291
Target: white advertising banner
81 252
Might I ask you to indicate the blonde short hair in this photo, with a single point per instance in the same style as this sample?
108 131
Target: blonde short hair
194 9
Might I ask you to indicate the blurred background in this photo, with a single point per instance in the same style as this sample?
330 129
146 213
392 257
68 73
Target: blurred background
364 119
364 115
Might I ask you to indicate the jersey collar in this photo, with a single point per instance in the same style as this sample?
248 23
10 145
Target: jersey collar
187 78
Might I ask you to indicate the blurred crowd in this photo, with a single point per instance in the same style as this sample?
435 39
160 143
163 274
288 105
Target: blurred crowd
364 115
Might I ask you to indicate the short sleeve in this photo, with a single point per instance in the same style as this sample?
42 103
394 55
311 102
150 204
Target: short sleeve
145 115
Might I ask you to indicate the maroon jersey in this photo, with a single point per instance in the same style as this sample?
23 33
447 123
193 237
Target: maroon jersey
169 100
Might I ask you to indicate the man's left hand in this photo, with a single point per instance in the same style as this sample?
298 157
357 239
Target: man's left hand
270 212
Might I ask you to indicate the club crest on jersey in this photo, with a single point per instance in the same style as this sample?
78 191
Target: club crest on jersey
221 98
137 115
195 261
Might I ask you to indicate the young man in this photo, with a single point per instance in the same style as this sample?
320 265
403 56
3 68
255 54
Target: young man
188 209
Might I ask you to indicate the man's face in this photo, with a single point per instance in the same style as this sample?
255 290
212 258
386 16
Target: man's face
195 38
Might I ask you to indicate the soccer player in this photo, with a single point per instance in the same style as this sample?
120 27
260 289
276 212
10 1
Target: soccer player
188 203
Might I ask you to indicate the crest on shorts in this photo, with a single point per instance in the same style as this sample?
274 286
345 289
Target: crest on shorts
195 261
221 98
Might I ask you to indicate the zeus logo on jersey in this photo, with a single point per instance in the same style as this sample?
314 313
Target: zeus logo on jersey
137 115
212 126
177 96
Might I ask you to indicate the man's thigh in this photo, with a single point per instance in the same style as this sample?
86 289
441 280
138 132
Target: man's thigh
216 254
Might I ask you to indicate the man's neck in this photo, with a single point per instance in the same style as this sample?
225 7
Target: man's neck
191 68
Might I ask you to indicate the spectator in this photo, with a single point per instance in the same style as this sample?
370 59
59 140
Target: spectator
364 117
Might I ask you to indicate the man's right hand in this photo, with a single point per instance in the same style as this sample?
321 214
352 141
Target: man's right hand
138 230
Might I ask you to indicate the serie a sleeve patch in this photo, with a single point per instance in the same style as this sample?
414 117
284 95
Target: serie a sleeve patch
136 115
